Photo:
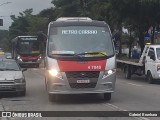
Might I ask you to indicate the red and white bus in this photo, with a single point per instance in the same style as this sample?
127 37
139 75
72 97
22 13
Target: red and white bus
27 50
80 58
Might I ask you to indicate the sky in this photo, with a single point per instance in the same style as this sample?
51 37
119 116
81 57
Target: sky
16 6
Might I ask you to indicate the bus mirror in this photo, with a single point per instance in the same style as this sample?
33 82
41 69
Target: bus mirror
117 52
41 33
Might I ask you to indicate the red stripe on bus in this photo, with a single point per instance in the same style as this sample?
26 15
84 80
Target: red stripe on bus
82 65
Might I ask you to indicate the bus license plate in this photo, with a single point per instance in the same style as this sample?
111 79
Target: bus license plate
83 81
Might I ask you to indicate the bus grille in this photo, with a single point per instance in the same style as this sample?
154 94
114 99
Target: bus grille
86 75
82 85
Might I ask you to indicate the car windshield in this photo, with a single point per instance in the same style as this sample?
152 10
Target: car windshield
9 65
158 53
79 39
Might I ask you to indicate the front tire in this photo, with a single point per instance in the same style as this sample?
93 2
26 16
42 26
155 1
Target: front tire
128 72
150 78
107 96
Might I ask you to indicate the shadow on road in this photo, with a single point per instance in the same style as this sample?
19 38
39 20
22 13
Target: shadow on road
135 78
80 99
8 95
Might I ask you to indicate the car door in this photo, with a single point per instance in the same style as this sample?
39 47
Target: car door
150 61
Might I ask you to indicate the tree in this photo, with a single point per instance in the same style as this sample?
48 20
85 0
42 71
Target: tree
36 24
48 13
20 24
67 8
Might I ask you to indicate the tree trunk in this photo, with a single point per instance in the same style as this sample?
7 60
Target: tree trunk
120 39
130 44
152 37
141 41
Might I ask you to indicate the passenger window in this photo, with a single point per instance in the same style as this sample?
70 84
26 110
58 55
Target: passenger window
151 52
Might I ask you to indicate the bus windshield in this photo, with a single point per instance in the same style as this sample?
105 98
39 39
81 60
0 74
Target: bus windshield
29 48
79 39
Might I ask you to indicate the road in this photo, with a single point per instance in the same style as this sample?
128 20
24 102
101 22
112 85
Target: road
130 95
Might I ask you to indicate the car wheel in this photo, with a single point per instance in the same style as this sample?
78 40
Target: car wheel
107 96
150 78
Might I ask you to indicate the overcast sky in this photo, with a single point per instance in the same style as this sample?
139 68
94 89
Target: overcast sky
17 6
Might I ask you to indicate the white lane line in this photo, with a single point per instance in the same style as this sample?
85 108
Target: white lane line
135 84
120 109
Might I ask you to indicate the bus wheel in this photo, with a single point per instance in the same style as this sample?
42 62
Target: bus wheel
107 96
128 72
150 78
52 97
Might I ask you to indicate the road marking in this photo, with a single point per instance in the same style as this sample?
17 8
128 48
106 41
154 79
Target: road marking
120 109
135 84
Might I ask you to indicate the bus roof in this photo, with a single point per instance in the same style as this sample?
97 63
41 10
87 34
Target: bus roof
77 22
16 38
74 19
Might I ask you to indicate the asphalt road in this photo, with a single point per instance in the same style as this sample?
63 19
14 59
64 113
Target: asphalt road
130 95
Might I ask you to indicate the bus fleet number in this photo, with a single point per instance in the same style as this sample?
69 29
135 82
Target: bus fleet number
94 67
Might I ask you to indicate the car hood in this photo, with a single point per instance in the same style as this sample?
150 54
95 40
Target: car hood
10 75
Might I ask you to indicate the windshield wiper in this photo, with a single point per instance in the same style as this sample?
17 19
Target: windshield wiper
94 53
11 69
75 55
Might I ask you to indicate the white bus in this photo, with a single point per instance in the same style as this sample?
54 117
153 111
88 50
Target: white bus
80 58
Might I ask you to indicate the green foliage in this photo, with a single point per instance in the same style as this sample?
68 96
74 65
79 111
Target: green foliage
27 24
67 8
136 15
36 24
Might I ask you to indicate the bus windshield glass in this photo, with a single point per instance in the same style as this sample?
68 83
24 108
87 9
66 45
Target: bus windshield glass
80 39
29 47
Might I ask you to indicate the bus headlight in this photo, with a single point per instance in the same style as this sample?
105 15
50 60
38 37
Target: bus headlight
108 72
19 58
39 58
55 73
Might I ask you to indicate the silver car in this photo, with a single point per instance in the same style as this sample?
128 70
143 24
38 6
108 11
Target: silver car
8 55
11 77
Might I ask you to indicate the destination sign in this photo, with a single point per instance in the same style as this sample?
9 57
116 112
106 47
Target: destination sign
28 38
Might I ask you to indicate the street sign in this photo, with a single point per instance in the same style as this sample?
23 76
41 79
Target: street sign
1 22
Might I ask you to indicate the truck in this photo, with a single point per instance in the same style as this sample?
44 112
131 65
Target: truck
148 64
80 58
26 50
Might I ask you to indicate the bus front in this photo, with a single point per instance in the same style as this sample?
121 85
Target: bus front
80 58
29 52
